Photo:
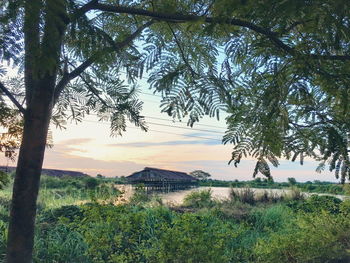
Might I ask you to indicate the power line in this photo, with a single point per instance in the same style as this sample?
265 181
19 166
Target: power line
198 124
180 134
163 119
185 128
166 132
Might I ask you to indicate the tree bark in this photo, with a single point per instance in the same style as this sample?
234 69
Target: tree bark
27 179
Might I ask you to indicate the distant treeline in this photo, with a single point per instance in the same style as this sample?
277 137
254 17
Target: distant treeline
312 187
49 172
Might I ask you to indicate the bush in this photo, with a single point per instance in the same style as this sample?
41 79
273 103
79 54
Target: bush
232 210
54 182
53 215
317 203
140 196
271 219
194 238
59 243
91 183
127 233
121 233
344 207
4 180
3 239
313 238
199 199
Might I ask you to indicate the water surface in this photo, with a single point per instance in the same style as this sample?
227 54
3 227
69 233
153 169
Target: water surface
176 198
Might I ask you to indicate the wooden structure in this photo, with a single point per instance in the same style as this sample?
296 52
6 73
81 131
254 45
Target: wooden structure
162 180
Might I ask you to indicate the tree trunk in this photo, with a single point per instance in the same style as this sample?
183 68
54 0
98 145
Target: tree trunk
27 179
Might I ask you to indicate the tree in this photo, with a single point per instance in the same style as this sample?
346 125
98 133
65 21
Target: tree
99 176
283 78
201 175
292 181
291 101
91 183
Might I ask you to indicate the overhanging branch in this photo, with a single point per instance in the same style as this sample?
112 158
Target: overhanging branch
12 98
181 18
115 47
193 73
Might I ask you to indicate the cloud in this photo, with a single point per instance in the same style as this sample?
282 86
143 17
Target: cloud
59 158
79 141
206 135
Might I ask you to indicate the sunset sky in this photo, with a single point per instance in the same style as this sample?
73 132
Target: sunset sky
88 147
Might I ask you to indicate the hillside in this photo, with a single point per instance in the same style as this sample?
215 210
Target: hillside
50 172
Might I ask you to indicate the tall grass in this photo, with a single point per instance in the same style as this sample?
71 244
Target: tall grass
245 195
249 196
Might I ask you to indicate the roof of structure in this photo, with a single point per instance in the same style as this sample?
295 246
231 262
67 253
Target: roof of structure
155 174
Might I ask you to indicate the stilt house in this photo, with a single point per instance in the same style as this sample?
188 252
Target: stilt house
160 179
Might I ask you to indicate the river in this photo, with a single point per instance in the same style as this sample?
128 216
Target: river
176 198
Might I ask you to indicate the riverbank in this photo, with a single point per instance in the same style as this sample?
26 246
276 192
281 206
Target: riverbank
310 187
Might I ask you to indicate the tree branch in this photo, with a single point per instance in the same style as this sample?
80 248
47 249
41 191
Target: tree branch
95 92
180 18
115 47
193 73
297 125
83 10
12 98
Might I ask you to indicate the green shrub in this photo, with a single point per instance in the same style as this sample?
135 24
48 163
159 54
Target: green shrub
321 237
53 215
127 233
59 243
3 239
120 233
236 211
344 207
199 199
140 196
270 219
4 180
194 238
54 182
91 183
317 203
5 204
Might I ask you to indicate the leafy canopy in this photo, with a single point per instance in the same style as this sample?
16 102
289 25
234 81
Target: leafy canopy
280 69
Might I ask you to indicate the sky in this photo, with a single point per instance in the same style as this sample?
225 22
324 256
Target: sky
88 147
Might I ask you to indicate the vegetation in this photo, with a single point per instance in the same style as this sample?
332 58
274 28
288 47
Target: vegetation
283 77
79 224
309 187
201 175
